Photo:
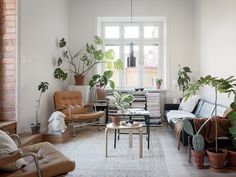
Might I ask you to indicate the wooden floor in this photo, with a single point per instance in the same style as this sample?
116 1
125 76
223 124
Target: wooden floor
177 160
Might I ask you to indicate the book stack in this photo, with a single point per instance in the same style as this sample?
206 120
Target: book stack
139 100
153 106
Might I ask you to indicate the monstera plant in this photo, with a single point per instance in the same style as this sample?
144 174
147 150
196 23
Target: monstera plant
82 61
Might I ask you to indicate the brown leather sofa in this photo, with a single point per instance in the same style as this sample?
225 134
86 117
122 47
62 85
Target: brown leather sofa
50 160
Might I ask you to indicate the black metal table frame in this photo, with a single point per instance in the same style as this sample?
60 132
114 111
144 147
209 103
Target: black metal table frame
102 107
147 123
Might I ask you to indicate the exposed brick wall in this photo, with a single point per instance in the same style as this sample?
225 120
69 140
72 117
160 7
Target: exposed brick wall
7 59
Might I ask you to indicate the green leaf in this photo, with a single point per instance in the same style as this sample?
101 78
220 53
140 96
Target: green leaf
119 64
108 74
188 128
232 115
98 54
233 106
198 143
59 61
112 84
109 54
43 86
97 40
62 43
60 74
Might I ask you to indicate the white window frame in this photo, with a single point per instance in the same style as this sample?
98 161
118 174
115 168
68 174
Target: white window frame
161 41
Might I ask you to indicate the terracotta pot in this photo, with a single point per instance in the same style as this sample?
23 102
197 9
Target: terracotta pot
115 120
79 79
158 86
198 158
216 159
100 94
231 156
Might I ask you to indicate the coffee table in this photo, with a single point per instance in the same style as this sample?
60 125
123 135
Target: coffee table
129 127
132 113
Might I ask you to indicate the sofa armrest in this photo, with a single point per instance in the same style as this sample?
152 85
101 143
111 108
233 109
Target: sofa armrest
171 106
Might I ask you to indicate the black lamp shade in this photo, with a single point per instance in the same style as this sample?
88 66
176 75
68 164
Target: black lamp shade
131 60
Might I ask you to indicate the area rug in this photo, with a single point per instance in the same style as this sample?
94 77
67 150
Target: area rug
87 149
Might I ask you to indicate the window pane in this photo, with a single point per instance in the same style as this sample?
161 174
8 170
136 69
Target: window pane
132 73
112 32
109 66
151 32
150 64
131 31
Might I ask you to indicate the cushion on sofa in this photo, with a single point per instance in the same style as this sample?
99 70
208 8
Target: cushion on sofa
8 146
178 114
206 110
189 104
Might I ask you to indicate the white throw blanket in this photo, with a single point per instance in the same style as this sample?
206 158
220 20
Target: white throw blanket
56 122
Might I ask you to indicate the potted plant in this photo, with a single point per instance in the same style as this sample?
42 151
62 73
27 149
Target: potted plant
198 144
101 81
82 61
42 87
159 83
122 102
183 78
231 154
221 85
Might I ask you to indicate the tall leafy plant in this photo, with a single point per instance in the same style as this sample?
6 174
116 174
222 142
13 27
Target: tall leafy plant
220 85
82 61
42 87
183 79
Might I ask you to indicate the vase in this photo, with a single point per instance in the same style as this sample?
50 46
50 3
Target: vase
216 159
115 120
198 158
79 79
231 157
35 128
100 94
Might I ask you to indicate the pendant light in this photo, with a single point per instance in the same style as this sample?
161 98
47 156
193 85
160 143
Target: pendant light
131 60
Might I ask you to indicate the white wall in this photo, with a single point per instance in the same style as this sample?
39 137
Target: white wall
216 41
41 23
180 26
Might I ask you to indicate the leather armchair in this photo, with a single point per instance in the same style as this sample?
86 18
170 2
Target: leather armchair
71 104
44 160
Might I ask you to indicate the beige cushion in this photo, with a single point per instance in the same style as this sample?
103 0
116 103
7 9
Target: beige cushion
8 146
189 104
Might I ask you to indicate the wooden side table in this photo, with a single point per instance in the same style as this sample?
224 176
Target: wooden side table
130 128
